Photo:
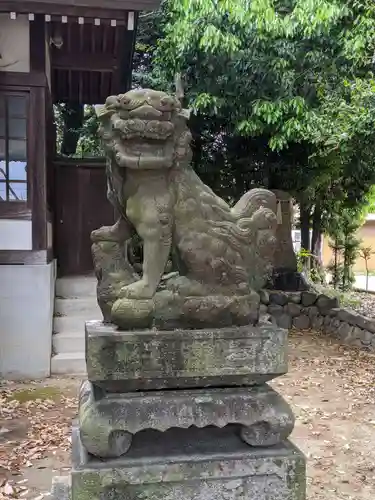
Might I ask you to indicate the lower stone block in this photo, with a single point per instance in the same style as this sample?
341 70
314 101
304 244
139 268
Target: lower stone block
204 464
61 488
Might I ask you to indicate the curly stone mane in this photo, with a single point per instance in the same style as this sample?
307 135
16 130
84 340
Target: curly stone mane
223 245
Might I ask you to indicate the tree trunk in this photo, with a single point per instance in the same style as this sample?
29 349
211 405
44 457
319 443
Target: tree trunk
73 120
197 144
316 243
316 238
305 213
335 269
345 274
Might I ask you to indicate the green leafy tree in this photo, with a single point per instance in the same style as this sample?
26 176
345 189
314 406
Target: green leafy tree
77 136
282 94
366 253
149 32
342 229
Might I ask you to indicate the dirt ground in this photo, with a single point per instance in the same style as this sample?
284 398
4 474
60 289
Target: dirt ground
330 387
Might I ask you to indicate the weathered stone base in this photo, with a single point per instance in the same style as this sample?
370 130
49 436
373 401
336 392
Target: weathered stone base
168 310
108 422
61 488
124 361
204 464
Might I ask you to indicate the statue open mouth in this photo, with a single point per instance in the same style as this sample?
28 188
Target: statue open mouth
139 154
141 143
143 129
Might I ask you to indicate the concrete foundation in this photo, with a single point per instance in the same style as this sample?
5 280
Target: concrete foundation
26 315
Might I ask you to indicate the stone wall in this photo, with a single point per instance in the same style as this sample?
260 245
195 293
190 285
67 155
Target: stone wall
304 310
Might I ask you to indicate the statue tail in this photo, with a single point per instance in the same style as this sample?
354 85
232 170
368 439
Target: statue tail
252 201
256 212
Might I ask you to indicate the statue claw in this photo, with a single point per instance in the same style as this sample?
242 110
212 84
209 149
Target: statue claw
138 290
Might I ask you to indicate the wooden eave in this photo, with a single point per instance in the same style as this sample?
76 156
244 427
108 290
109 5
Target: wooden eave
88 8
95 59
93 62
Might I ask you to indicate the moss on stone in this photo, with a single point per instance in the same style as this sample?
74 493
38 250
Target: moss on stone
42 393
201 357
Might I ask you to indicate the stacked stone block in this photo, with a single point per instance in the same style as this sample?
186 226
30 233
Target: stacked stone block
305 310
185 414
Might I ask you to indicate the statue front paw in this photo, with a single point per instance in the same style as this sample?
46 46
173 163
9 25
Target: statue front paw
138 290
118 233
105 233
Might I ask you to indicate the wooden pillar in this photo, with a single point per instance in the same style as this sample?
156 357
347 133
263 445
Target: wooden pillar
37 135
38 44
126 55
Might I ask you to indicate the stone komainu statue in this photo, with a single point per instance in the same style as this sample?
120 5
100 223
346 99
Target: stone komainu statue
221 255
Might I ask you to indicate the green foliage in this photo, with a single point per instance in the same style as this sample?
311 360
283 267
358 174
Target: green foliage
302 256
264 64
287 83
315 274
346 299
89 143
365 253
282 94
87 139
342 229
370 205
145 74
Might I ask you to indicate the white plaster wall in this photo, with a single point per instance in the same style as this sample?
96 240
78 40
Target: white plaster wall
26 320
14 43
16 234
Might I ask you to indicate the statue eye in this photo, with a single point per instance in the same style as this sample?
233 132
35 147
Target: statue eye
112 101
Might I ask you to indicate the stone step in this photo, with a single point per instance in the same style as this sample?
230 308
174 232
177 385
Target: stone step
69 342
77 307
69 364
69 324
76 286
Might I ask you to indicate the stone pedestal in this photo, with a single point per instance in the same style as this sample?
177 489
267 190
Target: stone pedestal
127 361
199 464
176 415
108 422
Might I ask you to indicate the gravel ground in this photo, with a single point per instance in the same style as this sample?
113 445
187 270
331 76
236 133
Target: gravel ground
330 387
363 303
360 301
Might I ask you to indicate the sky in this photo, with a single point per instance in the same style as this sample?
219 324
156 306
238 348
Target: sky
16 172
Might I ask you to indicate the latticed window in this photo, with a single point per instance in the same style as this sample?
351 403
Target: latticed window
13 146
